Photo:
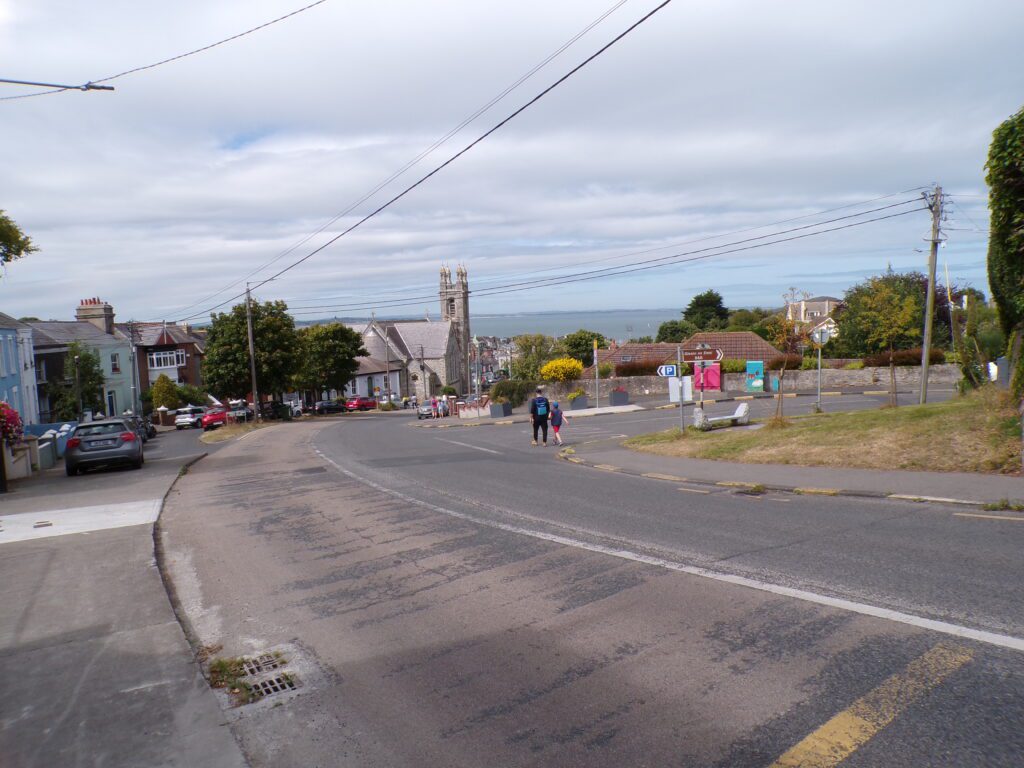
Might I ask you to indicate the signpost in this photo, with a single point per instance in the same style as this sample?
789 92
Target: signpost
703 354
668 371
820 336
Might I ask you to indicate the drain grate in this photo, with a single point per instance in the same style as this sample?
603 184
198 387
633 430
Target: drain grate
263 663
264 688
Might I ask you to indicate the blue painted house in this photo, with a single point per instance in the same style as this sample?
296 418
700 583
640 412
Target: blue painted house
17 368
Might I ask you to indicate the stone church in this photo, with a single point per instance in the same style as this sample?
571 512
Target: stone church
419 357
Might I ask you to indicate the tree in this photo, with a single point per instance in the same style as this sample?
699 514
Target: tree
13 242
562 369
888 321
642 340
532 351
327 356
706 311
1005 178
226 363
747 319
164 393
675 331
965 341
785 336
191 395
82 384
580 345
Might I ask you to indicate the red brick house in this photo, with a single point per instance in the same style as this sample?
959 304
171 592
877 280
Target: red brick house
164 348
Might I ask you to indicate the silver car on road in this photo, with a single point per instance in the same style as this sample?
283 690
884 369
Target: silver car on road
102 443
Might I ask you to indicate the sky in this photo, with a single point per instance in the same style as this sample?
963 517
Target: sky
708 124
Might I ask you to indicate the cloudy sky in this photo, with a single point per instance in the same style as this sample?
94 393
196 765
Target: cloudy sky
711 122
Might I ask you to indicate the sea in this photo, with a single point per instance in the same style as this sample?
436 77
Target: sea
618 324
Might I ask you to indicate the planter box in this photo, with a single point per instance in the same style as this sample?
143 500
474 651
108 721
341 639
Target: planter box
618 398
500 410
579 403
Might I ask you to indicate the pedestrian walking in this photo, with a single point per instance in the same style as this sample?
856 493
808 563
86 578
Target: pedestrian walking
558 420
539 408
433 407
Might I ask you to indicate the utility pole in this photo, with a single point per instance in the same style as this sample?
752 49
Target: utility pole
252 353
935 205
597 379
679 379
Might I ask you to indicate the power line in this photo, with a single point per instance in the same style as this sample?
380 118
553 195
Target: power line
539 281
180 56
453 158
429 150
678 258
716 236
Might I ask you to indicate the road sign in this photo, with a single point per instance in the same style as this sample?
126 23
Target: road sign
669 371
702 355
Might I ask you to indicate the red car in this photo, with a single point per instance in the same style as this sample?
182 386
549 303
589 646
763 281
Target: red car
360 404
214 417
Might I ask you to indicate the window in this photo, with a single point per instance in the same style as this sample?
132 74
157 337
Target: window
115 362
171 358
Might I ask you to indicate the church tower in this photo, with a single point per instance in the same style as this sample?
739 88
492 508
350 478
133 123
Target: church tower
455 307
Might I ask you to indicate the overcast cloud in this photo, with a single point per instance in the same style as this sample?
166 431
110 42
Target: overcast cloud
709 118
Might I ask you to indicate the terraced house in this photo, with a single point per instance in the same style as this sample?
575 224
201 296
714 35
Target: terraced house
17 369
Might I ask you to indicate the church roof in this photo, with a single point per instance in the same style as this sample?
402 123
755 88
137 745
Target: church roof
433 337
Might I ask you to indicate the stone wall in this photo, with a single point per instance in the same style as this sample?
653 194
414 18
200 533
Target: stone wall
907 378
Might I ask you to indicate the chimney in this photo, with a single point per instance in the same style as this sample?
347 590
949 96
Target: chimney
97 312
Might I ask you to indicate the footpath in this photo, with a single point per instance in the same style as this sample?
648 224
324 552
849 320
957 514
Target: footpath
968 488
96 668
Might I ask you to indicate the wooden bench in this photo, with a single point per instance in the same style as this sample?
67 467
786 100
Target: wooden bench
705 423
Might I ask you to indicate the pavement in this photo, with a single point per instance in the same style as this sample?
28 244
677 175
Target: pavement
96 668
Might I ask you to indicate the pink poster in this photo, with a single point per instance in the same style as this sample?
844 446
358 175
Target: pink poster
712 376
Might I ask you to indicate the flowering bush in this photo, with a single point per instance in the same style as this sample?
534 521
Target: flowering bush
573 395
562 369
619 389
10 424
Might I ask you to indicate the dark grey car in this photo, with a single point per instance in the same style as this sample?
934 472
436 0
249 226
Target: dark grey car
102 443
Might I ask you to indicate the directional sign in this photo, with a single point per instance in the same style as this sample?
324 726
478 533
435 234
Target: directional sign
669 371
702 355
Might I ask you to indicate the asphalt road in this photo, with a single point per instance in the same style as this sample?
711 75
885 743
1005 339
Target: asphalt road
459 595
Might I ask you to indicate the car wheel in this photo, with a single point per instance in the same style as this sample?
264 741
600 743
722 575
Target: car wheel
176 426
70 470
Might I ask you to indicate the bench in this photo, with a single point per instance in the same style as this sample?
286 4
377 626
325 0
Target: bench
704 422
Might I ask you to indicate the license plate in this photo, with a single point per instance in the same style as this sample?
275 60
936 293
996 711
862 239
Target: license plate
103 443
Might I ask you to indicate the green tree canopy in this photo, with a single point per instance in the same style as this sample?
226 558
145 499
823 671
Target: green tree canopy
83 374
889 321
580 345
327 356
165 393
226 363
706 311
747 319
675 331
13 242
189 394
532 351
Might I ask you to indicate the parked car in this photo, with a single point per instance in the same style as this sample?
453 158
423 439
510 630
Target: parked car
360 404
328 406
138 426
102 443
214 418
275 410
189 417
424 411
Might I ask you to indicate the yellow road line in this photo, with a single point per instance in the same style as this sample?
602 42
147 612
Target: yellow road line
606 467
817 491
659 476
737 484
744 397
875 392
990 517
831 394
693 490
841 736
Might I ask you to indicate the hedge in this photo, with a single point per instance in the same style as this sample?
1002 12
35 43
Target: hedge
904 357
515 390
791 361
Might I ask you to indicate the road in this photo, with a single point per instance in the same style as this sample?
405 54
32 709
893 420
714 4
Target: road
459 593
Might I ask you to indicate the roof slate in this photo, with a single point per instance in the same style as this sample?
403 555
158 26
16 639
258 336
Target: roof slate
735 345
49 332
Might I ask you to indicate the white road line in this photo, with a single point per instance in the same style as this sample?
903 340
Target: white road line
63 522
467 445
943 627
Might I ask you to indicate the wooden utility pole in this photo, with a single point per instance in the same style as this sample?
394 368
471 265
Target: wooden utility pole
252 354
935 204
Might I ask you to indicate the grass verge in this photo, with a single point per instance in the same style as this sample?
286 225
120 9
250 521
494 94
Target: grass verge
229 432
979 432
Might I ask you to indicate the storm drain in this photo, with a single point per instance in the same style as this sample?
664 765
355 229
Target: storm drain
264 688
261 664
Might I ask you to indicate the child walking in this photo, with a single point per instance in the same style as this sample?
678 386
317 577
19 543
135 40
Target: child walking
557 420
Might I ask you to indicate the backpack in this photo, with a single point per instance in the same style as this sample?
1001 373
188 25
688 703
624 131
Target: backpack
541 404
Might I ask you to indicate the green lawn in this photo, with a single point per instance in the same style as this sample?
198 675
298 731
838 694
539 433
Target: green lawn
976 433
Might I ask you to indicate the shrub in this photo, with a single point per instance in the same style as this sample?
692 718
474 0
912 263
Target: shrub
446 390
389 407
810 364
515 391
791 361
856 365
605 370
576 393
904 357
499 400
562 369
11 428
730 365
638 368
619 389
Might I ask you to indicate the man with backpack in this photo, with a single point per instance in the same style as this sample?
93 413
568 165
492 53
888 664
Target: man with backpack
539 410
